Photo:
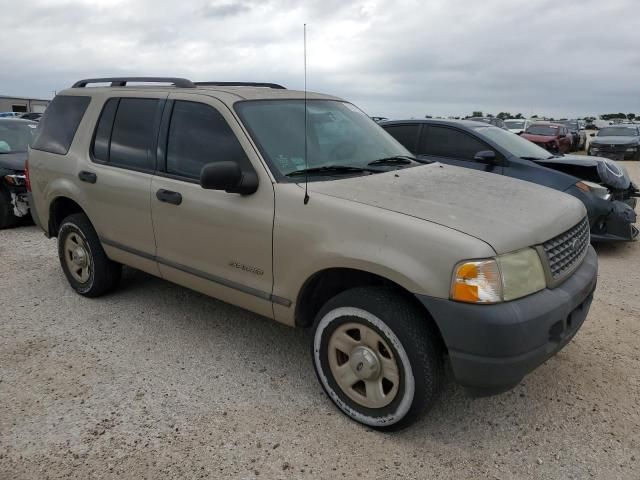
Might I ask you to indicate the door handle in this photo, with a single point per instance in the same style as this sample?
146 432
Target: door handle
88 177
169 197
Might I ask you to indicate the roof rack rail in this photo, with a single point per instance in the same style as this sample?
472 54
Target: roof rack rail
240 84
122 81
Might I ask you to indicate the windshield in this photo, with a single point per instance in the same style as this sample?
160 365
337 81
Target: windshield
571 124
514 144
514 124
617 132
548 130
338 134
15 136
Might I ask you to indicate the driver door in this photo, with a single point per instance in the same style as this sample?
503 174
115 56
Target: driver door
209 240
454 147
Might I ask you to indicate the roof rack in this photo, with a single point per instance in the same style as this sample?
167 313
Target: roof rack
240 84
122 81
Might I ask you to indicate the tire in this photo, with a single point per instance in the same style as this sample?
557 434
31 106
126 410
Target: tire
77 241
7 218
403 336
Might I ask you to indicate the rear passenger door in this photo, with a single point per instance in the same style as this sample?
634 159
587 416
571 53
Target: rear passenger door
209 240
123 154
454 147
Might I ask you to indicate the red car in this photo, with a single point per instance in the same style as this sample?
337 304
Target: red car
550 136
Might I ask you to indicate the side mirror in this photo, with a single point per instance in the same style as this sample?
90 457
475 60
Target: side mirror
227 176
486 156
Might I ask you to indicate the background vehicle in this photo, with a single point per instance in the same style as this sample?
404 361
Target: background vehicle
35 116
379 119
619 142
15 136
578 134
551 136
604 187
497 122
217 187
9 114
517 125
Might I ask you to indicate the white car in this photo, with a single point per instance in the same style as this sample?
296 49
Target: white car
516 125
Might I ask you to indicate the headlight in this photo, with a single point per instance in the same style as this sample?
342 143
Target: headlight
583 186
522 274
503 278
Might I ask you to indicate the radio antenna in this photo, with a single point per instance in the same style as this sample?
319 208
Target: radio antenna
306 164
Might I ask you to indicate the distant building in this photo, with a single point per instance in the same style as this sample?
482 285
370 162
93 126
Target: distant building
22 104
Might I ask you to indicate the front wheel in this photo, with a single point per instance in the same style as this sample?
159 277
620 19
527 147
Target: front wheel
378 357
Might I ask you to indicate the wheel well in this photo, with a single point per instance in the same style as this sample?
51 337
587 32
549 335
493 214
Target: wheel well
326 284
60 209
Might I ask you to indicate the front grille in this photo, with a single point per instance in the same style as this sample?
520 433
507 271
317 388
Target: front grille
566 251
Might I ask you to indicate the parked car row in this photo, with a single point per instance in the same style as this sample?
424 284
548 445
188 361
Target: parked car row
301 208
35 116
604 187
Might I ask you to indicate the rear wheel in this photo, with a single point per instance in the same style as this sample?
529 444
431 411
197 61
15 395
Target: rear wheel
378 357
7 218
84 262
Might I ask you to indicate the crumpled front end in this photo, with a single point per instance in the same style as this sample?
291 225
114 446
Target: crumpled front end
616 225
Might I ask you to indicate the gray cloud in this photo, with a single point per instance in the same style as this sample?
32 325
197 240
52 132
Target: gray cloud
397 59
224 9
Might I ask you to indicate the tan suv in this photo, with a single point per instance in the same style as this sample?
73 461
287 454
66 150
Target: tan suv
396 265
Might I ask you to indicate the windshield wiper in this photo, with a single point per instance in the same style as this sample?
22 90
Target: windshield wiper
535 158
331 169
397 160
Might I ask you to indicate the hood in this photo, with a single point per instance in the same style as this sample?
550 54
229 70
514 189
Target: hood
516 130
13 161
593 169
615 140
538 138
506 213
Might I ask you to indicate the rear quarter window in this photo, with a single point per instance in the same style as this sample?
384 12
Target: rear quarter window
59 124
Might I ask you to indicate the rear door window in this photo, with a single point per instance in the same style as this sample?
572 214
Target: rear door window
198 135
59 124
449 142
407 135
134 133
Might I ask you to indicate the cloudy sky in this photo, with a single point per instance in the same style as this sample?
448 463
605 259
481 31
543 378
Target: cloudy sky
393 58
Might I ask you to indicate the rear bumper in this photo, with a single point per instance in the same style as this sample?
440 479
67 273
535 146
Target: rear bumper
492 347
34 213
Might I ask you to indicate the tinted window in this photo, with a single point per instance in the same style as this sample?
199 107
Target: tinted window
59 124
448 142
134 132
103 130
407 135
198 134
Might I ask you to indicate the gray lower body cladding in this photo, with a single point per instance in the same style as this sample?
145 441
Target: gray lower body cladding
492 347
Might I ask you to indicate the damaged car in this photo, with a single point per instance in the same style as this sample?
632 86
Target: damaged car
15 137
602 185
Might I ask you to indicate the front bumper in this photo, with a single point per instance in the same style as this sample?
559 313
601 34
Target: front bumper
615 154
617 225
492 347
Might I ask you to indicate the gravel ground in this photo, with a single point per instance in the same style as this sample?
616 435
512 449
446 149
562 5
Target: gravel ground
156 381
